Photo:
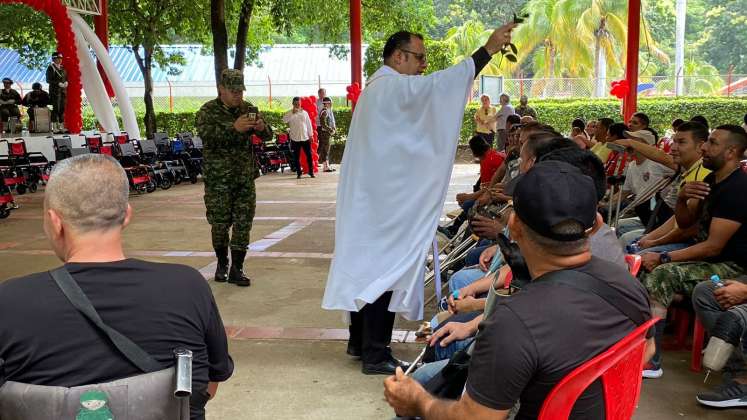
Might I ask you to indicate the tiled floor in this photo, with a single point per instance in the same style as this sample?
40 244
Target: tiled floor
288 352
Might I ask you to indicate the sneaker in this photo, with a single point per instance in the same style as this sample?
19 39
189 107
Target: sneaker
731 394
652 372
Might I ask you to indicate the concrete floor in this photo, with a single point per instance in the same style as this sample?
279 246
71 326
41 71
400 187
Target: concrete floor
289 353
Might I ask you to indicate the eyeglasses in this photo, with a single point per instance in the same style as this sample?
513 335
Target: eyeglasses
420 57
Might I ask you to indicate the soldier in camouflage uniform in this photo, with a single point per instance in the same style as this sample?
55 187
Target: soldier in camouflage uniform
229 172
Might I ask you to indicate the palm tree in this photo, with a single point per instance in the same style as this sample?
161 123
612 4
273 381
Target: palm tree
564 31
469 37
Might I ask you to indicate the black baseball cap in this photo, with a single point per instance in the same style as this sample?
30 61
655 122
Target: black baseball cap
552 192
7 80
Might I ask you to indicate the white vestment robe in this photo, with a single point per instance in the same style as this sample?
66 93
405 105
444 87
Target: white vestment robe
394 177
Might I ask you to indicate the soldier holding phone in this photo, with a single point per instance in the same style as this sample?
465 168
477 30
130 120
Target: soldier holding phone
226 125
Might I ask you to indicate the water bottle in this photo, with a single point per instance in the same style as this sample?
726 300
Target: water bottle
634 248
716 280
24 131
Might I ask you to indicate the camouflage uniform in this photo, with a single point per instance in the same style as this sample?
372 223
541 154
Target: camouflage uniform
230 168
681 277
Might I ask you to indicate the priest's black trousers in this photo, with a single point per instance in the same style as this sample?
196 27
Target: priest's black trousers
371 330
297 146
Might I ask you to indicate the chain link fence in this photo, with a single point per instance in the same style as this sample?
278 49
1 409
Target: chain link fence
664 86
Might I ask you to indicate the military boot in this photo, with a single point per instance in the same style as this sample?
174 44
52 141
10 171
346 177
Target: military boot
236 274
221 272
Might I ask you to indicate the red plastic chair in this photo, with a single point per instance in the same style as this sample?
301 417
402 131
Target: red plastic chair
696 359
619 367
634 263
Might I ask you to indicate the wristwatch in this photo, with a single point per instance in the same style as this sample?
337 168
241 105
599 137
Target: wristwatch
665 258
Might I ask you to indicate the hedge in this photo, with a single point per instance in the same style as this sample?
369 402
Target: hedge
556 112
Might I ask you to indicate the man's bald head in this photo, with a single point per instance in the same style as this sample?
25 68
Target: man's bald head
89 193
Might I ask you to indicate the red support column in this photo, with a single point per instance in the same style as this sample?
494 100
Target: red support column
101 26
356 65
631 69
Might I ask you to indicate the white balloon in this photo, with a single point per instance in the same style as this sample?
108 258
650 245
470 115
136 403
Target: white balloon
93 85
123 99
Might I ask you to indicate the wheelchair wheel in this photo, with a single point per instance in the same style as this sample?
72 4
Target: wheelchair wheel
21 189
165 183
4 211
177 178
150 187
33 187
193 178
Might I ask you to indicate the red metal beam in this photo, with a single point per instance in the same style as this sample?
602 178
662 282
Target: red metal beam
101 26
356 65
631 69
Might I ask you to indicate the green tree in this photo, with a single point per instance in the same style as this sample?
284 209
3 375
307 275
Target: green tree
454 13
144 26
466 39
248 22
27 32
723 41
440 56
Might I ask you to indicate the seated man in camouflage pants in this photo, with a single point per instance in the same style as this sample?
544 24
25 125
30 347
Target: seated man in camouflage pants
225 126
718 207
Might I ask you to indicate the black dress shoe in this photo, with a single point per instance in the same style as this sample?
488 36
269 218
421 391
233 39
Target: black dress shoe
312 175
221 273
238 278
354 351
386 367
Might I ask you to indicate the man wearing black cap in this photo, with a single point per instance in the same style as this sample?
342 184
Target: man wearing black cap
9 101
37 101
534 338
57 80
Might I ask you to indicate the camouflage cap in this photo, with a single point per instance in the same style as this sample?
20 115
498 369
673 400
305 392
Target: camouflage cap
232 79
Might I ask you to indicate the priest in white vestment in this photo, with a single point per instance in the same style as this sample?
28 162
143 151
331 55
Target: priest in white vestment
395 173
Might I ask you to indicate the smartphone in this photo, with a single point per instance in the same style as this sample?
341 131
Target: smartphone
252 113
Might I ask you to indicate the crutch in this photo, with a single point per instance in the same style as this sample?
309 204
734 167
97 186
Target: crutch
445 267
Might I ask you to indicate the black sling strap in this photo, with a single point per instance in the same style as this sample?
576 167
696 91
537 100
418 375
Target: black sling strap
134 353
590 284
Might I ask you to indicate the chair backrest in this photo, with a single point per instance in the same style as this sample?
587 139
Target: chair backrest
256 140
121 138
177 146
77 151
619 367
127 149
634 263
148 147
62 143
161 138
17 148
282 138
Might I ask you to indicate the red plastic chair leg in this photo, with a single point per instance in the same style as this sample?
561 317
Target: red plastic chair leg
682 320
696 362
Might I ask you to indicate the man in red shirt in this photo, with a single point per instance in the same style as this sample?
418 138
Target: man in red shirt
490 161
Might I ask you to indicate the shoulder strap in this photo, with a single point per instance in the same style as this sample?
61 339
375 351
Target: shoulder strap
134 353
590 284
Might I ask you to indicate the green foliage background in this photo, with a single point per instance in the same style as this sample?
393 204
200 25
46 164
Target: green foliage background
558 112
